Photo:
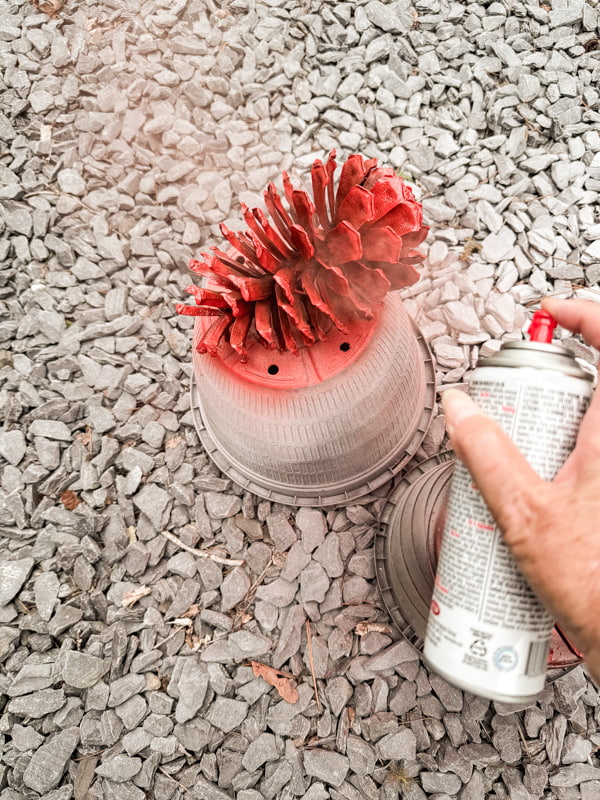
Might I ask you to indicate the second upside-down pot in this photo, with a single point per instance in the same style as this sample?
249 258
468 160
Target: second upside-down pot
407 548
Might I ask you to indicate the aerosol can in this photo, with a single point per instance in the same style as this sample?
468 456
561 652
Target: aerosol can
487 632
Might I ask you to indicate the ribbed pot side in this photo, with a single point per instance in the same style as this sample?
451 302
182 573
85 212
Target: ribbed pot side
337 420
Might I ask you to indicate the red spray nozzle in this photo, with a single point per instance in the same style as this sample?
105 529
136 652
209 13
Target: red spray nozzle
542 327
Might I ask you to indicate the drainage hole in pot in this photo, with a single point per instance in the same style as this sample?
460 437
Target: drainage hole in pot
345 346
273 369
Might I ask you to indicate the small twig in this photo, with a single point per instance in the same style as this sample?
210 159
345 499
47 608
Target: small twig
414 719
171 778
230 562
485 731
169 637
327 743
576 286
566 260
131 598
92 755
363 628
244 604
523 740
312 666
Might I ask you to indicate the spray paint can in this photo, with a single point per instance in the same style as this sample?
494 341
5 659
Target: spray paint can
487 632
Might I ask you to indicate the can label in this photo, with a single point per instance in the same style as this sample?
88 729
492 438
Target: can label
487 630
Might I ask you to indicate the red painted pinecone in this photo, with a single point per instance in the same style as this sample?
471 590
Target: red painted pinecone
324 262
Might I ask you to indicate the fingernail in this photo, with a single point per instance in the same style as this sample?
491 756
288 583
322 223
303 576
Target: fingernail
457 406
553 304
551 301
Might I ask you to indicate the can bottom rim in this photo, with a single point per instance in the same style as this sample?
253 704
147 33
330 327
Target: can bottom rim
488 693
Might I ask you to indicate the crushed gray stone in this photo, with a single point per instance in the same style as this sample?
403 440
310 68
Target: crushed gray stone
129 135
48 763
226 714
327 766
82 670
12 446
120 768
31 678
13 575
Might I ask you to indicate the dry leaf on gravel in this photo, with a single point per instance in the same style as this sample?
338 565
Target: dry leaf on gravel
50 7
86 440
280 680
132 597
69 500
192 641
372 627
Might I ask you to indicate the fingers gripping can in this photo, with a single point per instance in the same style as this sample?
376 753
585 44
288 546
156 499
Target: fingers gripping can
487 632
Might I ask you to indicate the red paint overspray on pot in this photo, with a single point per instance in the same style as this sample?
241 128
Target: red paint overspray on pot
312 385
487 632
323 427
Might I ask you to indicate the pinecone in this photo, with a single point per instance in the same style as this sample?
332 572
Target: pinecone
323 263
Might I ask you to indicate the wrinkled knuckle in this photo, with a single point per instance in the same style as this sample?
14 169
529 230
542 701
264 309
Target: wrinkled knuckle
523 512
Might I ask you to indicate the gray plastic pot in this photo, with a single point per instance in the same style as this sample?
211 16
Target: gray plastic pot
323 427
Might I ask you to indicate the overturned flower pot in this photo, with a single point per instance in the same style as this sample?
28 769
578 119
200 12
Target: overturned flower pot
407 548
323 427
312 386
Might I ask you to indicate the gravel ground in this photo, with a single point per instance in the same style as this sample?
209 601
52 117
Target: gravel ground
128 131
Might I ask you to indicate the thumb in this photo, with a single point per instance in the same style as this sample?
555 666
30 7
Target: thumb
505 479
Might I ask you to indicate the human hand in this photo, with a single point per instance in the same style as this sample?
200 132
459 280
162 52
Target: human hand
552 528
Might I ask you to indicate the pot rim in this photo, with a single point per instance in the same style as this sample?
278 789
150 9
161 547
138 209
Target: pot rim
383 535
